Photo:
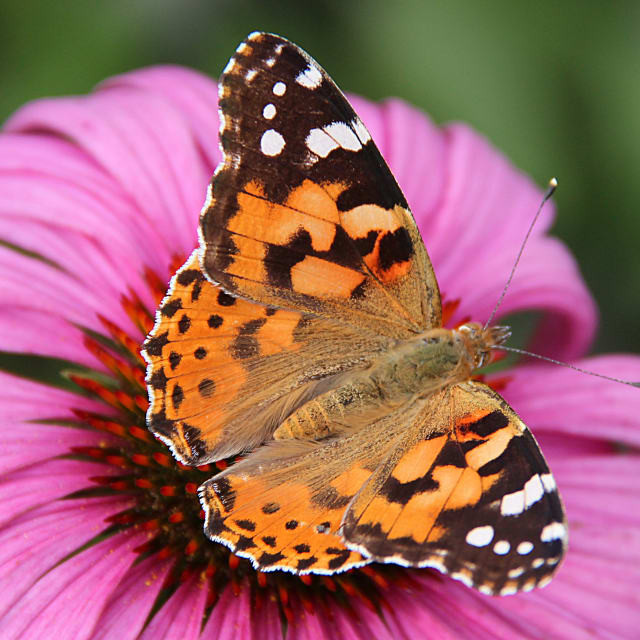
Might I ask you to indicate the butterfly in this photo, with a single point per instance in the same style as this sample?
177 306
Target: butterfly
305 333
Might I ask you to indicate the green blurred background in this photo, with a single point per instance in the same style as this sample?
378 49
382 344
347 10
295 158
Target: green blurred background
556 86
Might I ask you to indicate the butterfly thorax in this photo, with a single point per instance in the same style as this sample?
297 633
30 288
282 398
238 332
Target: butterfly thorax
412 369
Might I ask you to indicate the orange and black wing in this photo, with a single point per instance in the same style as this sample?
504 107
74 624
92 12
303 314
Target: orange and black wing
223 372
467 492
304 213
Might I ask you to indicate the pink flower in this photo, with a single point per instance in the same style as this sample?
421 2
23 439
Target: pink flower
101 535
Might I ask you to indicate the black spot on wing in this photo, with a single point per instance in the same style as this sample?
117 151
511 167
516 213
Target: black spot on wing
187 276
184 324
154 345
225 300
169 309
394 248
215 321
158 380
225 493
270 541
160 424
244 543
206 387
177 396
341 556
247 525
174 360
402 492
267 559
484 427
270 507
305 563
197 446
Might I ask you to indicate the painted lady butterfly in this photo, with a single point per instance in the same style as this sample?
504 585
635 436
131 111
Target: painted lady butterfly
306 332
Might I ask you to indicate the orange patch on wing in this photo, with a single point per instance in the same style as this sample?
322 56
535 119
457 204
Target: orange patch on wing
316 200
308 207
467 492
382 512
414 463
316 277
350 481
491 449
359 221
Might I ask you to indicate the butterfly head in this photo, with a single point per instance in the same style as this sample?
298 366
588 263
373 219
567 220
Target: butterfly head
481 341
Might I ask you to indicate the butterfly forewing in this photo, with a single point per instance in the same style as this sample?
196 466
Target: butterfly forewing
304 212
224 372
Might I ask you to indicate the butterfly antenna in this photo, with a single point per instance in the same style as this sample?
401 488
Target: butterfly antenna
566 364
553 183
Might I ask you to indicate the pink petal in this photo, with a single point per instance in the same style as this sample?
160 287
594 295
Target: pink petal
24 441
181 616
33 543
554 398
125 613
161 171
43 179
40 484
194 95
57 605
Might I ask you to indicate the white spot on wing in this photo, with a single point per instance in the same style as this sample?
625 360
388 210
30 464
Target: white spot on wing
279 88
344 135
270 62
320 143
501 548
480 536
512 504
524 548
509 590
229 66
310 78
242 48
537 563
250 75
271 143
548 482
269 111
516 573
533 490
463 577
553 531
361 131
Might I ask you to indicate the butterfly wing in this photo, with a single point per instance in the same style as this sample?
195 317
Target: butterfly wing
282 505
467 492
304 213
223 372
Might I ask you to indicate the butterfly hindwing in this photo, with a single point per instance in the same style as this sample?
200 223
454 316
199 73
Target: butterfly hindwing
294 493
468 492
304 212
